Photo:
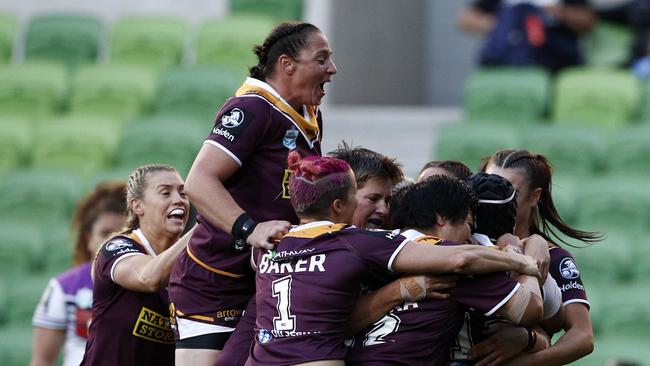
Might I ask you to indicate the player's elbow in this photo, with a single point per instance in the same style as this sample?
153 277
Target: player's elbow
151 283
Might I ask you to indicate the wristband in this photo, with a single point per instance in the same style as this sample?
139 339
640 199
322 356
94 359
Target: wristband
532 339
241 229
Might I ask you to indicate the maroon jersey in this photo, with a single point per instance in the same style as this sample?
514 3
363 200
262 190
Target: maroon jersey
420 333
564 270
127 327
212 278
305 294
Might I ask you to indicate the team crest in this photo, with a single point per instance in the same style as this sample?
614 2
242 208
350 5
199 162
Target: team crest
568 269
232 119
289 140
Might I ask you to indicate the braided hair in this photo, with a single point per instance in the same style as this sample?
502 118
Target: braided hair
287 38
496 213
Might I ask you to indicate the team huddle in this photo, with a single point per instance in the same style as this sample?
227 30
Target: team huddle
302 259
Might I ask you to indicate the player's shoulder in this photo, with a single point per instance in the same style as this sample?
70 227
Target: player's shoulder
371 233
119 245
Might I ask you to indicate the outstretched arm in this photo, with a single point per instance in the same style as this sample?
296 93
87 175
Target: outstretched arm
145 273
465 259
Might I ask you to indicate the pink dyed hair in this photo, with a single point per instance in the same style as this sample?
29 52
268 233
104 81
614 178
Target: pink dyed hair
315 180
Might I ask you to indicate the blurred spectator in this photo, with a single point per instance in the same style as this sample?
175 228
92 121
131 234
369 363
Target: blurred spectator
535 32
62 316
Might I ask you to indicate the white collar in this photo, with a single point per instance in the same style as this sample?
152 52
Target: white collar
411 234
145 242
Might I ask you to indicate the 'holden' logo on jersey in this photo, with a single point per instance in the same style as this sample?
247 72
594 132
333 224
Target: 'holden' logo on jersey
233 119
568 269
264 336
289 140
118 244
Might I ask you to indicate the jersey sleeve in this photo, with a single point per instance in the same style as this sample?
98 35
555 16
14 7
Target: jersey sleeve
376 247
484 293
240 126
51 311
114 251
564 270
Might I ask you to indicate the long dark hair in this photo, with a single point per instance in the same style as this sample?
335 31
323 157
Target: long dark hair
538 174
285 39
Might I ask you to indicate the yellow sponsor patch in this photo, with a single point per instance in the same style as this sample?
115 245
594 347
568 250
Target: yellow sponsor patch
285 183
153 327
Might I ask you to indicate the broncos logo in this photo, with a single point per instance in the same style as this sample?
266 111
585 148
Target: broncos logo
568 269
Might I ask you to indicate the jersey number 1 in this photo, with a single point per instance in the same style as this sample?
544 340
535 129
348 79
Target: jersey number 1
282 290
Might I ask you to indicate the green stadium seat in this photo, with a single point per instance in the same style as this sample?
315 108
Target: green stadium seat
68 38
112 90
196 92
279 9
564 195
16 345
157 42
608 261
612 350
628 152
32 89
511 95
22 249
77 143
15 144
42 197
470 143
24 296
613 203
599 96
228 42
572 150
161 139
8 31
609 44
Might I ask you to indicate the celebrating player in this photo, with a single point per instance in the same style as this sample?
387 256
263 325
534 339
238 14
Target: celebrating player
130 325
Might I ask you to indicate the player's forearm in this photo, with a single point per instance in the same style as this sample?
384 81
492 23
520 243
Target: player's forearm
371 307
155 274
477 259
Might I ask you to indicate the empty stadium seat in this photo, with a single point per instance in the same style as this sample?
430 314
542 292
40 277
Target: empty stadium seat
8 30
469 143
572 150
279 9
152 41
15 143
196 92
16 345
167 140
608 261
564 195
68 38
612 203
514 95
112 90
228 42
41 197
628 152
78 143
32 89
601 96
609 44
22 248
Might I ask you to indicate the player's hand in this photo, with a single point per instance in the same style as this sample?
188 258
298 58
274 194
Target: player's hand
527 265
536 247
503 344
510 240
266 234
